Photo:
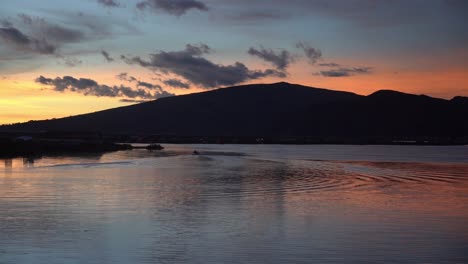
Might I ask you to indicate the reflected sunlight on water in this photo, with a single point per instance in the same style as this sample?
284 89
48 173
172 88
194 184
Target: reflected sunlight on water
238 204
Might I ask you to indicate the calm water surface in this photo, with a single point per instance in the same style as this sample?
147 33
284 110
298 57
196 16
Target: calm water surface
238 204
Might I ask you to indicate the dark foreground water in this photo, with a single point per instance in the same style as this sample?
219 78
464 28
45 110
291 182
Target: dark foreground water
238 204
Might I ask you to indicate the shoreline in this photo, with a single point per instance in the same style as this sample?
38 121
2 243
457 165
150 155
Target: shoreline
37 149
15 144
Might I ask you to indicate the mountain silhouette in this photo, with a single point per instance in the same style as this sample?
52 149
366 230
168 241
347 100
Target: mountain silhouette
276 110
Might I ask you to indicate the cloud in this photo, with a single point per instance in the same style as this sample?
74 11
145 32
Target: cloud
133 101
13 35
361 13
190 65
38 36
312 54
329 64
255 16
107 56
72 62
367 13
24 37
338 70
280 60
5 23
19 41
345 72
148 85
173 7
90 87
125 77
40 28
109 3
69 27
176 83
97 27
25 19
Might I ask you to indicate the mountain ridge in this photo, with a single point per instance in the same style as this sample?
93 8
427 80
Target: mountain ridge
275 110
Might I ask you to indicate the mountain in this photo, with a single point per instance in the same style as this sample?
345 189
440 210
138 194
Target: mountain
276 110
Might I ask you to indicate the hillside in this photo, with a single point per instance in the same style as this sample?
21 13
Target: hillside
276 110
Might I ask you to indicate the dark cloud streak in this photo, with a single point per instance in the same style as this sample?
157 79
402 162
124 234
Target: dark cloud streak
5 23
107 56
91 87
72 62
40 28
148 85
280 60
173 7
329 64
254 16
19 41
109 3
190 65
176 83
312 54
133 101
345 72
125 77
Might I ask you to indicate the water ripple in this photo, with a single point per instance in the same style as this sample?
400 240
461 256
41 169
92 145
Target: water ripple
272 177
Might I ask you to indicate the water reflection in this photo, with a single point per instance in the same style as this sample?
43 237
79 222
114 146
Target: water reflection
28 162
128 207
41 161
8 163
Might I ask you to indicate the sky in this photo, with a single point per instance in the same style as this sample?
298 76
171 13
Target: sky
60 58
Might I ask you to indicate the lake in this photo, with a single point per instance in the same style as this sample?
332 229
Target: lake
238 204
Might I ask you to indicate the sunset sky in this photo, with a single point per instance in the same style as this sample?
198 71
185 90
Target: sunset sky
61 58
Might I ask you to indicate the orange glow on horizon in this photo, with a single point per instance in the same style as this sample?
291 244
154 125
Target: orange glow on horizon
21 99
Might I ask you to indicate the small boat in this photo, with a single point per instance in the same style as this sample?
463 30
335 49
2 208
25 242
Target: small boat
154 147
195 152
